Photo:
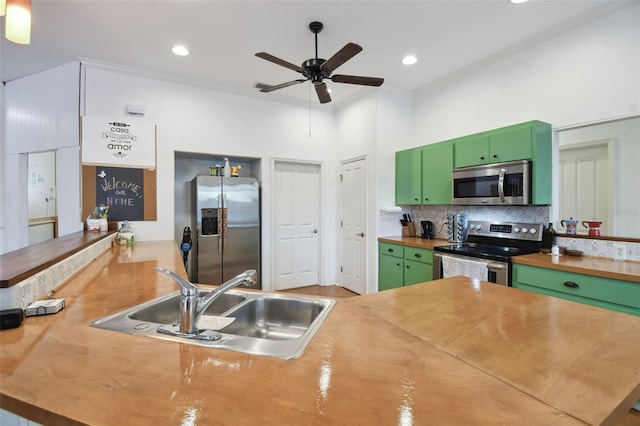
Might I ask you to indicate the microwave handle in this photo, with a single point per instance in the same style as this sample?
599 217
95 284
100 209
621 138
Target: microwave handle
501 184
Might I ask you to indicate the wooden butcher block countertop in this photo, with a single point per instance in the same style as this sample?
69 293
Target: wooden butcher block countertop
449 352
598 266
415 242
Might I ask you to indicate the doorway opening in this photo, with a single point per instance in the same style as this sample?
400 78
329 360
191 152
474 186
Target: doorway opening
585 184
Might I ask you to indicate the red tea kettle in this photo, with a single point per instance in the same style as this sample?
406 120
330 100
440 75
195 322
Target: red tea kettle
594 227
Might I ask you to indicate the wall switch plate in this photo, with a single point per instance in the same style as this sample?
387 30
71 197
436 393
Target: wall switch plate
619 252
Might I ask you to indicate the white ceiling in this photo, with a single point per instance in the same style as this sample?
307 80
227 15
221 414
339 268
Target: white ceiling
448 36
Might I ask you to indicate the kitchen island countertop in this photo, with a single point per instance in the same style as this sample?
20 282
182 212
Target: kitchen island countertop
450 351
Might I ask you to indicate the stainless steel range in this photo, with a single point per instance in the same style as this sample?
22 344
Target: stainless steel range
491 244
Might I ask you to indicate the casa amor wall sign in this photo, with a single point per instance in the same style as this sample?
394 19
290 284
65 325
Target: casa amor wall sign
118 143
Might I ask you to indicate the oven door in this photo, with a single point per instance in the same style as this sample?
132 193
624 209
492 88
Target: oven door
497 272
502 183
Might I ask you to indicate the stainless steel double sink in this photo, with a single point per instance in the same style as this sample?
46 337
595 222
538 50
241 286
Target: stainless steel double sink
269 324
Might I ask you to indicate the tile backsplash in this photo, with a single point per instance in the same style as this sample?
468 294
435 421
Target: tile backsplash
438 214
526 214
601 248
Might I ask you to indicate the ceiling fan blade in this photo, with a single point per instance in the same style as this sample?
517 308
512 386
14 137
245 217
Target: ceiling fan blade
323 93
341 56
268 88
356 79
278 61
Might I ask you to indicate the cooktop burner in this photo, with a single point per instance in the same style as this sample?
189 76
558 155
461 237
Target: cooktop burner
497 241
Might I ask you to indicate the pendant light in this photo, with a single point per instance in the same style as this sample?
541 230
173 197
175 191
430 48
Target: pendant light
18 21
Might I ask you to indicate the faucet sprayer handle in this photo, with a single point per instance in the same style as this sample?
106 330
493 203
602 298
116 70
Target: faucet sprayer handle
186 288
250 277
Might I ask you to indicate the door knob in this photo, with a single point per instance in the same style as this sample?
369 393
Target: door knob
360 234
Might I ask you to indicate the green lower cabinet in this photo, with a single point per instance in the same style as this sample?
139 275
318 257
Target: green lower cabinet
400 266
417 272
391 272
617 295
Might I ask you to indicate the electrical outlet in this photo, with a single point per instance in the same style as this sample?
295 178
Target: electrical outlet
619 252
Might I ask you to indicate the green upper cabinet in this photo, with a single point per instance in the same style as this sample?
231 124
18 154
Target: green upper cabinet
510 145
408 173
437 163
423 174
471 151
518 142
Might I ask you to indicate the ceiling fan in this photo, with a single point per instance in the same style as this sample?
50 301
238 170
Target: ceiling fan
317 69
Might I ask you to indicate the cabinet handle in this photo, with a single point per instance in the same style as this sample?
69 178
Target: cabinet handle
482 158
495 156
390 250
426 198
571 284
415 199
418 255
407 266
397 264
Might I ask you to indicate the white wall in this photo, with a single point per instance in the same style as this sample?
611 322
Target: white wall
41 114
199 120
373 126
587 74
625 175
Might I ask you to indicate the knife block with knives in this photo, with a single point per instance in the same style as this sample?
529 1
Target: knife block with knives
408 226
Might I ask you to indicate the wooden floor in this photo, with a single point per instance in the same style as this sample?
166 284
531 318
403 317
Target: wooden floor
632 418
326 291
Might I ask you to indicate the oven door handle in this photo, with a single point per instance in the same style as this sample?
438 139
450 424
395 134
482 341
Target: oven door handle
496 267
501 184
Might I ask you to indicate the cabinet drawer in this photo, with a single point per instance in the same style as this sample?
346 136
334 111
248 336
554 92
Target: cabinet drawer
391 249
418 254
586 286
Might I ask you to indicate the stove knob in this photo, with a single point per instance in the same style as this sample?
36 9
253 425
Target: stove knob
524 230
516 229
478 227
532 231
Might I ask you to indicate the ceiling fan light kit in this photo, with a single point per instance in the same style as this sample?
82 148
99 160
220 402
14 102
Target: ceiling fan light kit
317 69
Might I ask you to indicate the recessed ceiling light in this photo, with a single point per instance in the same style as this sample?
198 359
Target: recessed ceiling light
180 50
518 1
409 60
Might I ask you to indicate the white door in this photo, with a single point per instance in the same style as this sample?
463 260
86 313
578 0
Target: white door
354 220
584 185
297 216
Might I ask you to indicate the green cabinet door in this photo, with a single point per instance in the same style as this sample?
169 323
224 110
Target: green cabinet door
471 151
417 272
617 295
390 272
437 163
408 176
510 145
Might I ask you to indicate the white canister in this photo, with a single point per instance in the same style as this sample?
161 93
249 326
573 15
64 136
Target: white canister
93 225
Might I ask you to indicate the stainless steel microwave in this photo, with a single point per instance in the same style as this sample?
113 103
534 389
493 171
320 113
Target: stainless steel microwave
493 184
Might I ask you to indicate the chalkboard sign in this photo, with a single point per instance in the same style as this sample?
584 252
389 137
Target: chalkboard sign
122 190
130 193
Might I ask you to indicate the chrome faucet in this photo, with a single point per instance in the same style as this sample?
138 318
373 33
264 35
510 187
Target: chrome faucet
192 305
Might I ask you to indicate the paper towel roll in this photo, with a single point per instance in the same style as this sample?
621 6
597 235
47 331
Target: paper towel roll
391 210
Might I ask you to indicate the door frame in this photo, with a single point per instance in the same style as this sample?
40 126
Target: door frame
367 227
272 217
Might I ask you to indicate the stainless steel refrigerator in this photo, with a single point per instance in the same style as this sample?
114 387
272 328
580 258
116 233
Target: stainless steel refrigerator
226 214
